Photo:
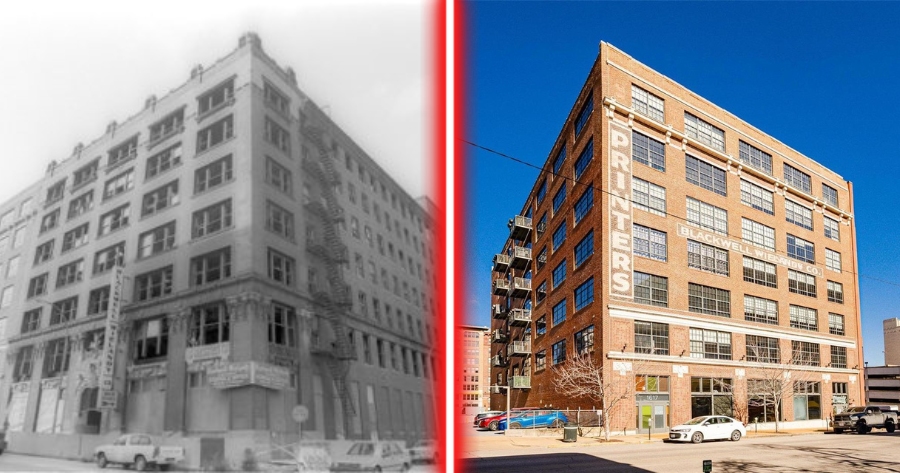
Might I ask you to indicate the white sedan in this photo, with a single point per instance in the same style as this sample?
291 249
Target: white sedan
703 428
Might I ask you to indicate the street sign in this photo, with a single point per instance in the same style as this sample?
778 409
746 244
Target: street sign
300 413
707 466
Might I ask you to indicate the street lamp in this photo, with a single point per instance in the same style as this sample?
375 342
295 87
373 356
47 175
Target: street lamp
508 392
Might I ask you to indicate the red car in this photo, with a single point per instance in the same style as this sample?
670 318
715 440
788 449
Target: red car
493 422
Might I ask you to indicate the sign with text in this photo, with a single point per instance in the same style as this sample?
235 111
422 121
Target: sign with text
111 335
245 373
620 232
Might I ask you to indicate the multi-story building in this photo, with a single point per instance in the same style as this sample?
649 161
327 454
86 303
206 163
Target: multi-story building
224 255
891 341
473 372
883 385
693 257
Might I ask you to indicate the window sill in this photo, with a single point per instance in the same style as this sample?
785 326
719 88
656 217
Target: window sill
164 137
207 236
212 189
82 185
157 212
112 167
162 173
208 113
213 147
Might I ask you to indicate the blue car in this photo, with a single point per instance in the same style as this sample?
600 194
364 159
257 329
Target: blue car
535 419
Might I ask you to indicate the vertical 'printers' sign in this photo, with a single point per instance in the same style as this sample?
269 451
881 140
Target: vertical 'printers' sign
111 338
620 232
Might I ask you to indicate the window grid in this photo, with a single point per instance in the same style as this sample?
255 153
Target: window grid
829 195
153 284
647 103
801 249
211 267
157 240
212 219
650 243
648 196
215 134
703 215
835 292
838 357
798 214
651 289
760 272
213 175
585 158
805 353
762 349
651 338
559 274
583 249
560 158
559 198
707 258
584 204
584 294
757 309
709 300
801 283
755 157
559 352
797 178
757 197
705 175
832 260
710 344
542 191
835 324
108 258
559 312
704 132
559 236
584 341
804 318
832 230
70 273
583 115
119 184
648 151
114 220
160 199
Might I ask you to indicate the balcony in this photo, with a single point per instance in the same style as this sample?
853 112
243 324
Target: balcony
519 348
501 263
498 311
521 288
498 360
521 257
501 287
520 382
519 228
499 336
521 317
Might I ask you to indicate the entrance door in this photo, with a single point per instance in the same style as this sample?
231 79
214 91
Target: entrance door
653 415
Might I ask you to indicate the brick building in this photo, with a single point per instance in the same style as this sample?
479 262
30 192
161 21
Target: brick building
473 370
657 217
202 268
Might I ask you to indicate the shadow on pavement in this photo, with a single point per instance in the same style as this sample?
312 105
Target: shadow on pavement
545 463
836 459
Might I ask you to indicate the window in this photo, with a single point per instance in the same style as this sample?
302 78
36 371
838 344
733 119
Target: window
757 309
648 151
704 132
6 296
70 273
584 294
798 214
154 284
211 267
540 360
583 115
654 384
81 204
760 272
801 249
541 291
709 217
584 341
584 204
169 125
277 136
709 300
797 178
651 338
156 241
280 177
705 175
542 191
122 152
56 358
540 325
98 301
208 325
215 134
119 184
55 193
831 229
757 234
163 161
107 258
212 219
801 283
559 352
283 326
281 267
275 99
762 349
711 396
559 274
114 219
835 324
583 250
832 260
64 310
649 243
37 286
559 198
648 196
218 97
829 195
43 252
707 258
651 289
50 221
31 321
647 103
838 357
804 318
559 312
160 198
587 154
560 158
85 174
12 267
756 158
151 339
757 197
559 236
710 344
213 175
835 292
279 221
805 353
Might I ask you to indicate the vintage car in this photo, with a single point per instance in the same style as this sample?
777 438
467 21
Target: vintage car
371 455
138 450
424 451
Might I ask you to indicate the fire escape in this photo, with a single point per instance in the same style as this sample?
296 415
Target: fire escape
513 293
335 299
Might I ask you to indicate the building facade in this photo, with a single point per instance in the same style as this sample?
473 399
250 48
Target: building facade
695 259
224 255
474 370
891 341
883 385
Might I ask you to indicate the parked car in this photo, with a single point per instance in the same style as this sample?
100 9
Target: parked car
534 420
424 451
370 455
139 450
478 417
863 419
703 428
493 422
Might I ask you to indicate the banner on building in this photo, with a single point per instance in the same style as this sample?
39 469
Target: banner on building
107 398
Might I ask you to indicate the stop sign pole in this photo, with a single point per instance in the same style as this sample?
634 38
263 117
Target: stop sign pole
300 413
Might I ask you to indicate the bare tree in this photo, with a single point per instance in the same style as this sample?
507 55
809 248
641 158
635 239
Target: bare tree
580 377
776 378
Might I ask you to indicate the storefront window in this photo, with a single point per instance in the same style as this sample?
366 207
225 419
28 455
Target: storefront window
711 396
807 400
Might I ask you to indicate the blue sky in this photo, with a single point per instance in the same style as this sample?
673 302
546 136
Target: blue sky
822 77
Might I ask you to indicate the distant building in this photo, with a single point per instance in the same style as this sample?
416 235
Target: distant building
883 384
891 341
473 370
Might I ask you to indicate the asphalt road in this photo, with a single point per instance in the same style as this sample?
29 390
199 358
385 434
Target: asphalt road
876 452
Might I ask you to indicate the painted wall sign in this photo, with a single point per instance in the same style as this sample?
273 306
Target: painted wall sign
244 373
620 232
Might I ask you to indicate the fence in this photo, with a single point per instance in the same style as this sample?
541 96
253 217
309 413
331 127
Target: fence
548 418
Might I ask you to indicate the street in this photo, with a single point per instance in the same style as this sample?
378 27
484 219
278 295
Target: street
798 453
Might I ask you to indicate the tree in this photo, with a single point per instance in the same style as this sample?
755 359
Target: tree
776 378
580 377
